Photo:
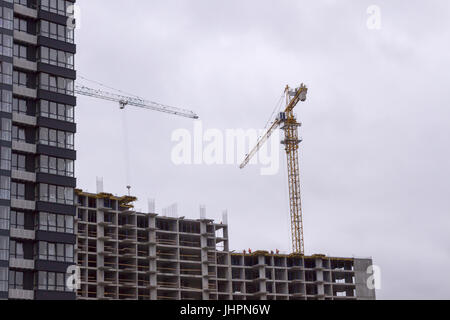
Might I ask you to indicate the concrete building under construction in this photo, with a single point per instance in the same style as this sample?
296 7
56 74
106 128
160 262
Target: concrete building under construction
124 254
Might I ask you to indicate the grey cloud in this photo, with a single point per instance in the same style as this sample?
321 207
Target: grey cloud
376 128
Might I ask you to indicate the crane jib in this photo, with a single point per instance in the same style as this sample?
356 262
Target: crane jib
133 101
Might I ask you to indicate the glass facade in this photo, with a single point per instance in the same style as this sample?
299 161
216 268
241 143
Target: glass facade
37 178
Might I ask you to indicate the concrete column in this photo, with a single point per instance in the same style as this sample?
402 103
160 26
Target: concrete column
363 292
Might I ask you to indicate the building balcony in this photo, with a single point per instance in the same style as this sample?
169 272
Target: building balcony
23 234
21 294
23 204
25 64
25 11
25 37
25 92
21 264
127 226
24 119
105 209
105 223
24 147
129 240
128 212
106 237
23 176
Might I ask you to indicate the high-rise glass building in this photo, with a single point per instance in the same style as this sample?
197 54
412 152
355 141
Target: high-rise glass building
37 151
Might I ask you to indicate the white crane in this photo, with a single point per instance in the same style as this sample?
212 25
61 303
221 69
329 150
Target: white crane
133 101
125 100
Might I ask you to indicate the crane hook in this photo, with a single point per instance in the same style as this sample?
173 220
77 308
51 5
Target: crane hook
123 104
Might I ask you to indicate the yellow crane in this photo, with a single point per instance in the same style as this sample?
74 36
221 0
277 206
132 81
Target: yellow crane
289 124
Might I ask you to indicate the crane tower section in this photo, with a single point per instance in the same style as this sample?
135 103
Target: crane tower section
290 125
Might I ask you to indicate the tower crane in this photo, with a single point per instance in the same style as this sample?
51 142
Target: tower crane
289 124
133 101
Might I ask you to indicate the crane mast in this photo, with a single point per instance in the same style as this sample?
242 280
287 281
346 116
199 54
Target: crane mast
291 142
289 124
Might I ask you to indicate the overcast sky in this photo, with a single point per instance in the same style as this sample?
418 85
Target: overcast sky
375 156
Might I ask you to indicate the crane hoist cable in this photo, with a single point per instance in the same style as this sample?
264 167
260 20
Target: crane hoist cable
275 111
126 147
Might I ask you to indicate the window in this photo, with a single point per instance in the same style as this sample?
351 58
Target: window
17 190
20 25
20 78
6 129
42 164
60 282
17 220
20 51
51 250
6 45
52 193
55 252
43 251
69 253
52 222
22 2
55 110
15 280
20 105
56 31
56 57
42 280
56 84
61 7
68 195
18 162
92 216
69 226
60 252
61 194
18 134
6 18
5 192
3 279
5 158
60 223
6 72
55 194
16 250
4 218
4 248
6 99
56 138
52 281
